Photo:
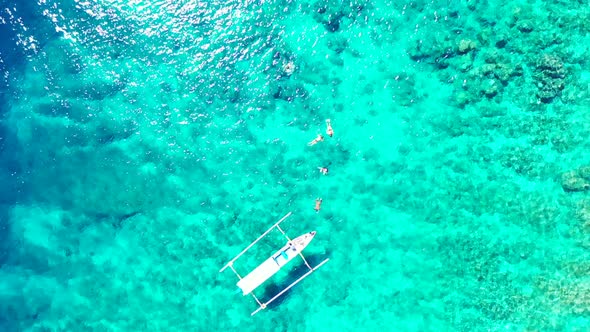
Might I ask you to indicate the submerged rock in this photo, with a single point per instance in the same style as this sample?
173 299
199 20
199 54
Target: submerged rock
462 98
466 45
573 181
501 41
464 63
503 73
525 26
551 65
490 88
289 91
419 51
550 76
584 172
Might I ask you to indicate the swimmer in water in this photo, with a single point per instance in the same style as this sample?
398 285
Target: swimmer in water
318 204
289 68
316 140
329 129
323 170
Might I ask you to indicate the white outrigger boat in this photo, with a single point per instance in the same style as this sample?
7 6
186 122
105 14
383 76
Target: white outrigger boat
273 264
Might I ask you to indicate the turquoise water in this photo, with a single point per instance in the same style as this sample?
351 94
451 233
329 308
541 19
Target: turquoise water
145 143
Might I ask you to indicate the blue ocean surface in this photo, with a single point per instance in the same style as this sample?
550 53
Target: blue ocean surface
143 144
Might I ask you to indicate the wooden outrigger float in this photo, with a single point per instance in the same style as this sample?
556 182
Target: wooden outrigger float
273 264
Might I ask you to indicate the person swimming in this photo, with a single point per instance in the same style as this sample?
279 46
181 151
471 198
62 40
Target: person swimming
323 170
318 204
289 68
329 129
316 140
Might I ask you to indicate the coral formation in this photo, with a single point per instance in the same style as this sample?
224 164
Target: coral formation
550 77
466 45
572 181
576 180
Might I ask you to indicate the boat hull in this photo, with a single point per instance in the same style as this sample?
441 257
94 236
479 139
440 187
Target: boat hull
274 263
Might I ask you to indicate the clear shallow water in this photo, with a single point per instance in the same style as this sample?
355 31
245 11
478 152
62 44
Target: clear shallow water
146 143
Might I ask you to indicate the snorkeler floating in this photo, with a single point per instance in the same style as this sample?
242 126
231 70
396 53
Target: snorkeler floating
318 204
323 170
329 129
289 68
319 138
316 140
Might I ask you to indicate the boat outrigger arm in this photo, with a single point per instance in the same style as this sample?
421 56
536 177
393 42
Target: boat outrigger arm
273 264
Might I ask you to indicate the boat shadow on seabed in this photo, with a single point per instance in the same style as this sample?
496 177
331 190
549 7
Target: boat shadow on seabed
274 288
